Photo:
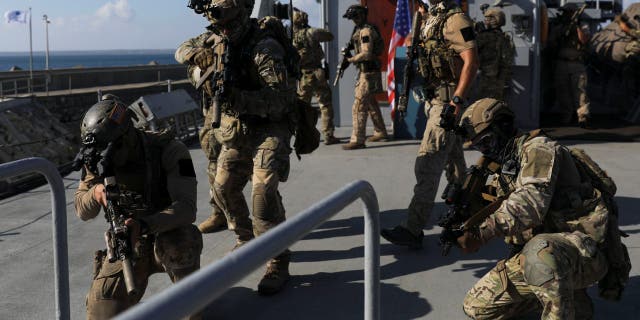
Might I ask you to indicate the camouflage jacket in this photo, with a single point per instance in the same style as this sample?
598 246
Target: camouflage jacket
307 42
496 51
545 195
260 86
164 178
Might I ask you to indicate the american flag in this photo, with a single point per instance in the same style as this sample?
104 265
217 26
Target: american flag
401 28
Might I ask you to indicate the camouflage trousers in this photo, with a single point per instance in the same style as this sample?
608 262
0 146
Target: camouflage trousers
261 154
551 275
314 84
571 90
176 252
211 149
439 150
365 104
491 87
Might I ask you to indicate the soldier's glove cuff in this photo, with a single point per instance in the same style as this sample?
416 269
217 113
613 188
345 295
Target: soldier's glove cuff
469 242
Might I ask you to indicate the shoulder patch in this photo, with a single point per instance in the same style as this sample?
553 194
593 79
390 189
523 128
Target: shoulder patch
185 167
366 39
468 34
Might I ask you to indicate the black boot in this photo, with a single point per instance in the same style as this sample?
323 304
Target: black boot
403 237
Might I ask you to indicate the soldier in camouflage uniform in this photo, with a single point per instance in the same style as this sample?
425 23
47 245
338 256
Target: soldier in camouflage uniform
157 173
217 220
256 113
496 51
366 41
631 66
570 72
552 212
448 66
314 78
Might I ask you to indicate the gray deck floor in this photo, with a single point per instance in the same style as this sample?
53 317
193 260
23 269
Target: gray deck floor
327 265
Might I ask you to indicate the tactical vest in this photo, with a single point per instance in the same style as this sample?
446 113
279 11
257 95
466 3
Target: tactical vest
143 185
309 49
570 48
378 47
439 64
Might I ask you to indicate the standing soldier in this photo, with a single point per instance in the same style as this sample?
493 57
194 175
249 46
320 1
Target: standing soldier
368 45
496 51
186 54
253 99
314 78
570 39
557 209
151 196
448 66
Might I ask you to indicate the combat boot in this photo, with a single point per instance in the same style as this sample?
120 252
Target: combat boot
276 276
353 146
331 140
401 236
216 222
378 138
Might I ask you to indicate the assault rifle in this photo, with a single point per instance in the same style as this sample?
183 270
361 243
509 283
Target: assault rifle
344 63
573 23
118 237
466 200
220 73
412 53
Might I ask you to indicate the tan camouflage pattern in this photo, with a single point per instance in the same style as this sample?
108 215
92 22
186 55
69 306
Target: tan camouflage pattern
439 150
367 85
211 149
550 275
562 224
255 138
313 82
176 252
496 51
364 105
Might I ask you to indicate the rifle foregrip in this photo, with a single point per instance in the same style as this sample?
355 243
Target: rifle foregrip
215 113
129 280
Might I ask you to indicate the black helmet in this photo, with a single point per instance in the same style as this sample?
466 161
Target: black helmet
354 11
105 122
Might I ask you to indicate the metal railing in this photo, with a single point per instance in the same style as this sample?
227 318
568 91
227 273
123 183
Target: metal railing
199 289
59 212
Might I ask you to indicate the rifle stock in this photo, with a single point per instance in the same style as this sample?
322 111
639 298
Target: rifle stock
574 20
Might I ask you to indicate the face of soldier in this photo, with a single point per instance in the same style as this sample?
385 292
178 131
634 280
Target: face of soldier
488 143
232 21
490 22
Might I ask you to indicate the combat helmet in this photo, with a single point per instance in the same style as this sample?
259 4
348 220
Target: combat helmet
482 114
494 18
355 10
105 122
300 18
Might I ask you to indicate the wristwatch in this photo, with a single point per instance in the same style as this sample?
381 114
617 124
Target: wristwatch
458 100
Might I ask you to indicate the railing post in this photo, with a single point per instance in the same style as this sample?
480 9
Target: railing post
59 213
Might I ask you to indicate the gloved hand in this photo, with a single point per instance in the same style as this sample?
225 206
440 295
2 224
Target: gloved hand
204 58
469 242
448 118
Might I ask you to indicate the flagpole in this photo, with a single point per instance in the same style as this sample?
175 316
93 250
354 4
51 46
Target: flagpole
30 52
46 31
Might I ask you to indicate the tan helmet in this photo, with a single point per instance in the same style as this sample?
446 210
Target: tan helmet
300 18
494 18
221 12
355 10
481 115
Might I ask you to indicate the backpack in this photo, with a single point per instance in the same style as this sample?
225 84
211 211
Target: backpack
307 135
272 26
612 285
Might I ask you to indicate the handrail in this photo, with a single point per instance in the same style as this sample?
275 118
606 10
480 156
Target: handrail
59 212
201 288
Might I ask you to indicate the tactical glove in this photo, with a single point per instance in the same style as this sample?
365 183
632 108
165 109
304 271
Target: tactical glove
204 58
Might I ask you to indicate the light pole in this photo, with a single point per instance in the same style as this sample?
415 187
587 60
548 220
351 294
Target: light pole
46 31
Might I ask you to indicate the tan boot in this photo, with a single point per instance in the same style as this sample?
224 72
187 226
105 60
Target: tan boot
215 222
276 276
331 140
353 146
378 138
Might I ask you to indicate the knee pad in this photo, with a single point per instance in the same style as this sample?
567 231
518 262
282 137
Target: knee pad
179 248
540 265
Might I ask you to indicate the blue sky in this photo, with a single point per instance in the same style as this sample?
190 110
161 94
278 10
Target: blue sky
109 24
112 24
